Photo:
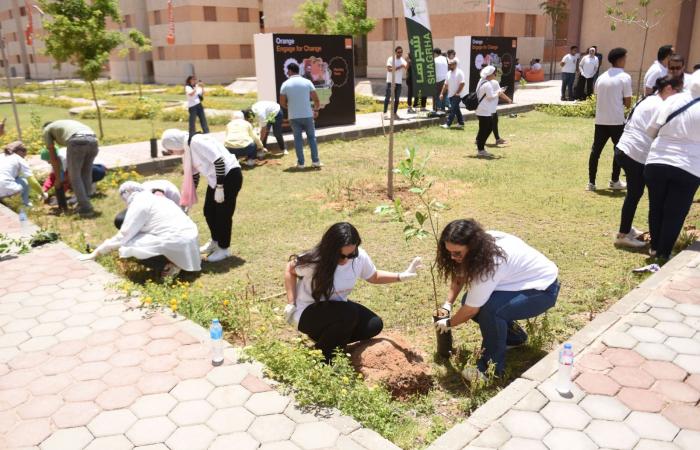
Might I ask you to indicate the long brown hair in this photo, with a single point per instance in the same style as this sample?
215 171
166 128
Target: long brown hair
482 258
325 255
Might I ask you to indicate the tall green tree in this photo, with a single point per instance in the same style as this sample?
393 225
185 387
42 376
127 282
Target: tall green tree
313 17
558 11
353 20
76 32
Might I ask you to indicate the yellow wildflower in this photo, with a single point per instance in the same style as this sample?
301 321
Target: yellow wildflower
226 303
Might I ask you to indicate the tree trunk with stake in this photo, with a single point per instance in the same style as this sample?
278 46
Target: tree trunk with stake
392 90
6 64
97 106
554 49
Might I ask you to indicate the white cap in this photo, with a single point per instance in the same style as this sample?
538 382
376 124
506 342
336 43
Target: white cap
486 71
174 139
238 115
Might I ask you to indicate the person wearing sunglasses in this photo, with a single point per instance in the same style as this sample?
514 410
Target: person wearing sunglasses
676 69
506 280
319 281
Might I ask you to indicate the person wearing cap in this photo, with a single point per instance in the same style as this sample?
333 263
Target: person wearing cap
16 176
242 141
588 67
672 171
81 149
613 94
658 68
488 91
203 154
453 91
99 171
155 231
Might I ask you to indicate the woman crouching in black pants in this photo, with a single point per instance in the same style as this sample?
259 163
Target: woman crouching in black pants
319 282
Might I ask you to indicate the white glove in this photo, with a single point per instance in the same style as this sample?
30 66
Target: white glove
447 306
411 270
88 256
443 325
219 194
289 311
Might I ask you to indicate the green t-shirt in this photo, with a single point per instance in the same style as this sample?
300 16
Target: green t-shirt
59 131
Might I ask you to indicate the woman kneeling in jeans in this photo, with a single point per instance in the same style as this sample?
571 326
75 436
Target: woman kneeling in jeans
506 279
318 285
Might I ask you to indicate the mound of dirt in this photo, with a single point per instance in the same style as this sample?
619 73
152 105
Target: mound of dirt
390 360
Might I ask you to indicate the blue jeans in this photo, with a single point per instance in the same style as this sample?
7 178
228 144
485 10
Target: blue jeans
25 189
567 83
250 151
497 314
455 100
197 111
305 124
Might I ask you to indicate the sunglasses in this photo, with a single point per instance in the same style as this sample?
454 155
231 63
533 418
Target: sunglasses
675 68
352 255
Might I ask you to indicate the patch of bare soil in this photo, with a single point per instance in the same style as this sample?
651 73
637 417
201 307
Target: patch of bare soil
390 360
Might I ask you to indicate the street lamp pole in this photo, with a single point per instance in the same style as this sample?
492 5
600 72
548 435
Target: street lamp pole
53 79
6 64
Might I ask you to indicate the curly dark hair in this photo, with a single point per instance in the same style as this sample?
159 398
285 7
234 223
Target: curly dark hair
324 256
482 258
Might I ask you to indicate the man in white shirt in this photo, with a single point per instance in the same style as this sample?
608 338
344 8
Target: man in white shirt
614 93
452 91
440 76
568 73
676 69
588 67
394 75
658 69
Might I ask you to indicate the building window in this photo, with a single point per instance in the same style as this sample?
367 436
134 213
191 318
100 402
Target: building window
19 60
210 13
498 25
246 51
161 53
387 29
127 21
22 11
243 15
530 25
156 17
213 52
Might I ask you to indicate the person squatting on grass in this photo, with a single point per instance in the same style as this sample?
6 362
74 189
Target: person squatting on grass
631 154
162 188
155 231
242 141
203 154
506 280
672 171
319 282
16 176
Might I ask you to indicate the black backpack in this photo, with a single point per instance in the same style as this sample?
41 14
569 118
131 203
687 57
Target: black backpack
471 101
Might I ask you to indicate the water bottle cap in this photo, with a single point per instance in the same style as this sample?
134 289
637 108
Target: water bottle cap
215 321
567 346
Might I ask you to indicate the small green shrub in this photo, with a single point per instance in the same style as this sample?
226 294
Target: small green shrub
32 136
585 108
47 101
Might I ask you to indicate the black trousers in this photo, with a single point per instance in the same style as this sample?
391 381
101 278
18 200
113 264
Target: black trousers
600 138
588 84
333 324
495 126
387 97
436 97
276 130
485 129
219 216
634 172
671 193
409 96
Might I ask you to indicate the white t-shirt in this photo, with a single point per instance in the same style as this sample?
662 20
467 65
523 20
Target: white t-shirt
678 142
265 111
635 142
655 71
193 100
537 67
398 68
589 66
489 104
611 88
569 61
344 280
524 268
686 81
454 78
11 167
440 68
205 150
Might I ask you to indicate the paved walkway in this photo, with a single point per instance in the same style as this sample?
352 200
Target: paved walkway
138 154
637 379
82 368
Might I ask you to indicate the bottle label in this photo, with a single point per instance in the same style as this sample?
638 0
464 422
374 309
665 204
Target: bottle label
216 333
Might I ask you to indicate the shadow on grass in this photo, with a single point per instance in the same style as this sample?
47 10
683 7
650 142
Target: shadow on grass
610 193
294 169
222 266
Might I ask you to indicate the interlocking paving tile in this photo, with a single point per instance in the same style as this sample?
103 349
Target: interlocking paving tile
197 389
108 423
611 434
666 315
118 397
675 329
684 345
118 442
604 407
649 444
68 439
533 401
155 383
566 415
632 377
193 437
316 435
226 375
228 396
525 424
271 428
594 362
230 420
623 357
41 406
597 383
239 441
684 416
659 352
564 439
151 430
641 399
492 437
687 439
663 370
75 414
191 412
652 426
690 363
153 405
617 339
523 444
647 334
676 391
264 403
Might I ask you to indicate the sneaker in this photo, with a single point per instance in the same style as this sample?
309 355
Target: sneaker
209 247
484 154
501 142
411 111
386 116
652 252
424 110
516 336
170 270
472 374
72 201
628 241
261 154
445 126
590 187
300 167
635 232
317 164
219 255
617 185
285 152
87 214
460 126
250 163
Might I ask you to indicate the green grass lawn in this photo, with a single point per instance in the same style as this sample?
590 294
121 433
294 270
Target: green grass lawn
535 190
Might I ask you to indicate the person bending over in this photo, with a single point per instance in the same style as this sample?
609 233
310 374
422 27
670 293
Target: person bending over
319 282
506 280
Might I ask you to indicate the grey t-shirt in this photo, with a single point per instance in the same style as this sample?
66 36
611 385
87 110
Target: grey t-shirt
60 131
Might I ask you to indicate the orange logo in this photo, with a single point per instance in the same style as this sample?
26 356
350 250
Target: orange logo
348 43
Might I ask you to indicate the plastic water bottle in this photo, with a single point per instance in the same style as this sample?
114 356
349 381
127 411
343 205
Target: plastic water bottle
23 221
216 332
566 363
